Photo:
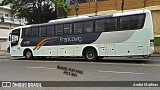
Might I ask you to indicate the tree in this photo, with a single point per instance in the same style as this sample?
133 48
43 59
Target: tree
37 11
62 8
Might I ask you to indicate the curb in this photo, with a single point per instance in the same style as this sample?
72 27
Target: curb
155 55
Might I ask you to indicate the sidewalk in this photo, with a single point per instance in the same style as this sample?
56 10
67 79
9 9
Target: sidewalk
155 55
4 54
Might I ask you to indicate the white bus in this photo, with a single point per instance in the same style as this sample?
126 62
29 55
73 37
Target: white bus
121 34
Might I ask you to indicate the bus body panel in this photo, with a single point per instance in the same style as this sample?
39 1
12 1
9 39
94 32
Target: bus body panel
112 43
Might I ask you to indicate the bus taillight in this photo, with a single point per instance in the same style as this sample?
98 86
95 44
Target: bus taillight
152 43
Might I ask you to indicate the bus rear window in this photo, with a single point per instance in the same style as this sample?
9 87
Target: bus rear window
137 21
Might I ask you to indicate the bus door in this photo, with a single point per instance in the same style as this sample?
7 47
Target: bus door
14 39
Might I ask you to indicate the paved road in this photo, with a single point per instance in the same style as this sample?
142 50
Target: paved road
110 69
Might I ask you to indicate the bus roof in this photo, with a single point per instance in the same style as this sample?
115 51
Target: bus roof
73 19
131 12
85 18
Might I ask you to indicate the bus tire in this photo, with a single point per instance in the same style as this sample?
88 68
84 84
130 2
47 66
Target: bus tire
129 56
42 57
100 58
90 55
28 54
146 56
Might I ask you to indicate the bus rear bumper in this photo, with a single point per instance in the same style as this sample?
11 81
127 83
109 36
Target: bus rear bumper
150 50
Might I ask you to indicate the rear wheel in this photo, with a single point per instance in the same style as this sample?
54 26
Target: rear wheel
28 54
90 54
129 56
100 58
146 56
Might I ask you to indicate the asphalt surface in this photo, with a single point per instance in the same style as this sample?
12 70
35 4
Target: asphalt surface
52 69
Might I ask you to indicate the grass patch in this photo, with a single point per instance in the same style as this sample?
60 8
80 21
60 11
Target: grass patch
157 40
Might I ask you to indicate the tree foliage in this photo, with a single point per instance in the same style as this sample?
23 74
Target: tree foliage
37 11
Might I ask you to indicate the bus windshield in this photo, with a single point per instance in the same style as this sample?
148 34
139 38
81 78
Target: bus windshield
15 37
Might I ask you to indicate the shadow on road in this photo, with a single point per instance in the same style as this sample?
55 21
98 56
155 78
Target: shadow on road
137 60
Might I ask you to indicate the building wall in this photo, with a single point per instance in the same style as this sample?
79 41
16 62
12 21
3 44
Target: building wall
156 23
92 7
6 26
4 31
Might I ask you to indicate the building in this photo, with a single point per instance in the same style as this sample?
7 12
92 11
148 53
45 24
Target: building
7 22
99 7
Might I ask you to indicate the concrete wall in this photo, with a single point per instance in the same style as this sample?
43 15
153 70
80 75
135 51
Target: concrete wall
156 23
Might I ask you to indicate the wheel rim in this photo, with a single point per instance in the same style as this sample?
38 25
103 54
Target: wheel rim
28 55
90 55
146 56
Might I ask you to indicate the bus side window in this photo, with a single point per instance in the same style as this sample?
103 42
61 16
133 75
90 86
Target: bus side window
88 26
125 23
50 30
42 31
111 24
99 25
27 32
137 21
59 30
34 32
67 29
78 28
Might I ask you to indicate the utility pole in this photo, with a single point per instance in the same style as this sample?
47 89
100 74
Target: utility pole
144 3
56 10
96 8
122 5
76 7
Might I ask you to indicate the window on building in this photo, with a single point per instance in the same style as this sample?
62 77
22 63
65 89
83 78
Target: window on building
42 31
88 26
111 24
67 28
100 25
6 15
78 28
50 30
59 29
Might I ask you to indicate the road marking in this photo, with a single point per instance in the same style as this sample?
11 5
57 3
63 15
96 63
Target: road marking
39 67
119 72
